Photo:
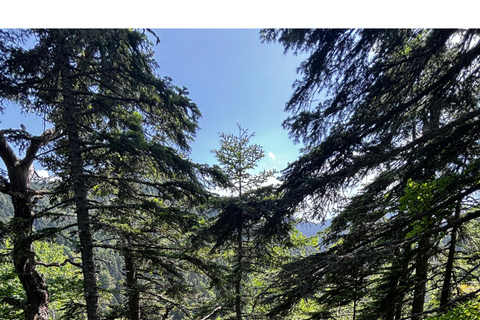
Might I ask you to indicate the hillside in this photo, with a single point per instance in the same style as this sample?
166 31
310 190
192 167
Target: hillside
310 229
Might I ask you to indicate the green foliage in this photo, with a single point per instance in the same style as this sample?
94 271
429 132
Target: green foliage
418 199
10 286
238 157
469 310
7 209
389 151
64 282
121 134
240 226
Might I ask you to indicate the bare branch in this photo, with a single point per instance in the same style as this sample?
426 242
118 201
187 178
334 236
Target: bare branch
211 314
58 264
157 38
37 143
6 152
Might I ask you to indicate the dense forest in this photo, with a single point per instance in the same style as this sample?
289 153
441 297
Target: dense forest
127 226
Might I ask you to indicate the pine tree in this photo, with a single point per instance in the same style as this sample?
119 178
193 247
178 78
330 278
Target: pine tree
154 242
399 114
124 130
16 182
240 217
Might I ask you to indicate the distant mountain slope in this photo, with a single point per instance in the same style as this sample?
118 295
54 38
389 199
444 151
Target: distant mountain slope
311 229
6 208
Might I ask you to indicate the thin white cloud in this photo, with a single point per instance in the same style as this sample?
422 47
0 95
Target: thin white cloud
272 156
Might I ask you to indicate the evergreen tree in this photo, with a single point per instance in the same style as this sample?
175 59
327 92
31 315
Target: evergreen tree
16 182
158 260
399 113
124 130
240 217
62 279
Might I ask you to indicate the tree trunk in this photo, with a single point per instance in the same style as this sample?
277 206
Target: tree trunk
132 286
20 173
238 276
400 297
393 301
392 295
402 283
83 216
78 181
421 273
36 306
446 289
431 123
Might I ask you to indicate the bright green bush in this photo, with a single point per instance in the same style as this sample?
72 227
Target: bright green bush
466 311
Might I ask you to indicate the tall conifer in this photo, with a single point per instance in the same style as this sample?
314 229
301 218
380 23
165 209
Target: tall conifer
396 128
123 129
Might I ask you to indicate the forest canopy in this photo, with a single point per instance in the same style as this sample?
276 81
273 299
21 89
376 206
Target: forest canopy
131 228
399 126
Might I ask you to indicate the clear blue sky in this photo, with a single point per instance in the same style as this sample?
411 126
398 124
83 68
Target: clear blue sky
233 78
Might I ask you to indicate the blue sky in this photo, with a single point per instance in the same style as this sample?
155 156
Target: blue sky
233 78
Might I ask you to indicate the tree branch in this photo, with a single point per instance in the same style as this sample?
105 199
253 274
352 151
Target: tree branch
6 153
58 264
451 303
36 144
183 308
211 314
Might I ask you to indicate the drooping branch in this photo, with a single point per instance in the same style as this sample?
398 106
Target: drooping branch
452 303
183 308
